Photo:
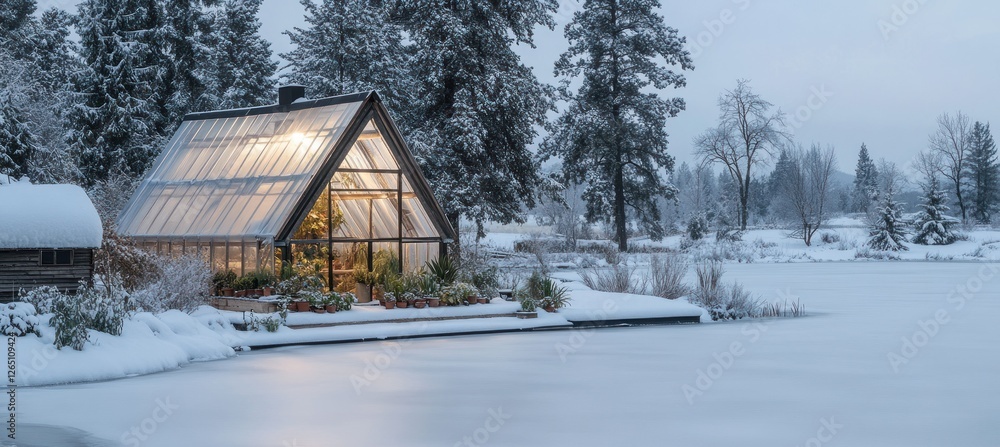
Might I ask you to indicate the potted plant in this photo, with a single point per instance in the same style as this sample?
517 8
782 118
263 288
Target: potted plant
222 281
528 308
465 291
331 301
389 301
346 301
415 300
443 269
363 285
316 301
554 297
482 300
429 289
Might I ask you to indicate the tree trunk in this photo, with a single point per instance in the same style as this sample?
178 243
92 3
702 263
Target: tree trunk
621 233
744 205
961 203
455 250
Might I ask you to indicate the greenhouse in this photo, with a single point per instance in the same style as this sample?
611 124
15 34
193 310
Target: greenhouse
319 184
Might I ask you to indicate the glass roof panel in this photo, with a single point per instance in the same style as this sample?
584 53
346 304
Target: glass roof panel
236 177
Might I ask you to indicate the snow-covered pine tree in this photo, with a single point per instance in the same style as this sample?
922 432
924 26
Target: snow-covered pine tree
933 225
37 58
613 134
865 182
350 46
241 71
115 126
888 232
17 144
983 174
184 52
784 168
476 106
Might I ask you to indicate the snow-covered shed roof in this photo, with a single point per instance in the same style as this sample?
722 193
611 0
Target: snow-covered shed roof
253 174
47 216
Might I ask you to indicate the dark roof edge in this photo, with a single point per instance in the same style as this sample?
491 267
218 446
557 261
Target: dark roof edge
274 108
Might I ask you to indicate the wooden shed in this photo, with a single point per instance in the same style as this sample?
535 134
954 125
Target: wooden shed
48 235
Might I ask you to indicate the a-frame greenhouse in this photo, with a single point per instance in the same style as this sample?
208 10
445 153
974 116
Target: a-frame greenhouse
322 183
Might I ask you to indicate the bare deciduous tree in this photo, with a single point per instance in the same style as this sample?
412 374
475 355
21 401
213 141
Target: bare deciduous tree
746 137
952 141
806 187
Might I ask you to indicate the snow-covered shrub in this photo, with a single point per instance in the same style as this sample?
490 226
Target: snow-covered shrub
723 302
18 319
180 283
41 298
829 238
121 260
270 323
70 323
867 253
697 228
103 309
620 278
667 276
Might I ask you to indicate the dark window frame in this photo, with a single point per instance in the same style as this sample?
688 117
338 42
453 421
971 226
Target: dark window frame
57 258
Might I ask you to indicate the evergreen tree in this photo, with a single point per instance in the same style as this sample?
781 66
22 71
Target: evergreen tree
349 46
983 174
115 127
784 168
865 182
888 233
612 135
17 144
184 53
16 22
933 226
476 106
241 71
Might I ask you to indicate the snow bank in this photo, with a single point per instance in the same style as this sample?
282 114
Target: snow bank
587 305
47 216
148 344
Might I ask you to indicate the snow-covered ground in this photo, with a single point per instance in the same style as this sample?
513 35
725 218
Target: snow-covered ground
849 236
892 354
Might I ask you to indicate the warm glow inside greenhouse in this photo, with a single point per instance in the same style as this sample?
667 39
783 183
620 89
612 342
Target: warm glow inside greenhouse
321 184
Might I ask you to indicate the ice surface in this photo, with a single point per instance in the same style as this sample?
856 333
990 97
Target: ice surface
599 387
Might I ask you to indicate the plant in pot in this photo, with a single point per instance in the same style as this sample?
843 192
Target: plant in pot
363 280
529 308
430 289
465 291
554 297
346 301
223 281
443 269
315 300
389 301
331 301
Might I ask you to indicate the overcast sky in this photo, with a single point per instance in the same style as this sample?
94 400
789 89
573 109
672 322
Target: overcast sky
881 71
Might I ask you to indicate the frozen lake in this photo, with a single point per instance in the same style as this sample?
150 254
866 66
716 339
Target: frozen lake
841 376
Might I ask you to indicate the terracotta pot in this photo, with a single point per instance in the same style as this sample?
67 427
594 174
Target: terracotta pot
389 304
319 310
471 299
258 292
363 292
302 306
419 304
228 291
550 309
291 307
483 301
331 308
268 291
433 302
402 304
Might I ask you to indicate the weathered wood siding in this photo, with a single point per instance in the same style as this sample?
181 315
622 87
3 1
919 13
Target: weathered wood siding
21 269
